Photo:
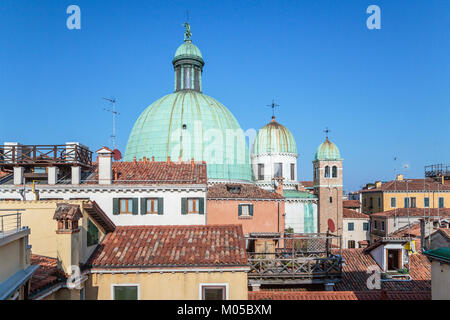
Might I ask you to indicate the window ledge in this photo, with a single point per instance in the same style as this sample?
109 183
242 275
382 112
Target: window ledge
245 217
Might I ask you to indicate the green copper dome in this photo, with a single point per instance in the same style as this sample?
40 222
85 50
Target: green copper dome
327 151
274 138
188 124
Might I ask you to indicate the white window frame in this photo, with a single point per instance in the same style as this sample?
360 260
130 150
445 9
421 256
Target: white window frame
248 205
126 285
224 284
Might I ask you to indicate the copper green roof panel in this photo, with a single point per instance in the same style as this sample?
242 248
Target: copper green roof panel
297 194
442 253
327 151
274 138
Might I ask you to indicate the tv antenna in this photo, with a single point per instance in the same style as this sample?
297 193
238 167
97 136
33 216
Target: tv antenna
114 114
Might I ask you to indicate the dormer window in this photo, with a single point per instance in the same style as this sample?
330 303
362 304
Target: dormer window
235 189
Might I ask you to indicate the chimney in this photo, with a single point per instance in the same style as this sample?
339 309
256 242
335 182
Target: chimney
104 166
19 175
192 162
279 187
153 158
52 175
399 177
134 159
76 175
300 187
378 184
168 159
68 234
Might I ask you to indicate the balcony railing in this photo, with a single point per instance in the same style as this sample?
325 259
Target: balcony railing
44 155
10 223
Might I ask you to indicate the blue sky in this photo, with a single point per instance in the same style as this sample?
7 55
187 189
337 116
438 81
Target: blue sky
382 93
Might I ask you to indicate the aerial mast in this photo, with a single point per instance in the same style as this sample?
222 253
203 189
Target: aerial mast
114 114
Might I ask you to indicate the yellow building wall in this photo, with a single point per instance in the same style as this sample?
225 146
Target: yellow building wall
400 196
12 258
167 286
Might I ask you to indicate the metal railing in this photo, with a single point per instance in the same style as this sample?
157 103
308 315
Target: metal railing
436 170
44 155
10 223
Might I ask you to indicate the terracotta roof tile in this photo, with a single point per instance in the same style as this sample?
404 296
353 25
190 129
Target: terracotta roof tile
352 214
354 273
247 191
171 246
339 295
46 275
155 172
414 212
351 204
411 185
307 184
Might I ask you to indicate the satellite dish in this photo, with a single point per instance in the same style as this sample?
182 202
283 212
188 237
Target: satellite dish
331 225
117 155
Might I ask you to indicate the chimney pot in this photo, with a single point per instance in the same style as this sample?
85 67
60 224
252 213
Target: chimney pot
168 159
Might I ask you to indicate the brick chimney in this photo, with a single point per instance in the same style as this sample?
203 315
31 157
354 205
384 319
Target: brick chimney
279 187
105 166
399 177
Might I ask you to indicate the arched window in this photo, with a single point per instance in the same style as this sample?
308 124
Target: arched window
327 172
334 172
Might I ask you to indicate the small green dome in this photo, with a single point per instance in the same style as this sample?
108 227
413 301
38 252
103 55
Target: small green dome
327 151
274 138
188 49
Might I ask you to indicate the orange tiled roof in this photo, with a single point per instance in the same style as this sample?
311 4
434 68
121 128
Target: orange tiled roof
352 214
354 273
410 185
351 204
307 184
445 232
46 275
140 172
248 191
339 295
413 212
171 246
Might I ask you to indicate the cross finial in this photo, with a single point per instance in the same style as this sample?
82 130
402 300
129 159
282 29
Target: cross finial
273 105
187 33
326 132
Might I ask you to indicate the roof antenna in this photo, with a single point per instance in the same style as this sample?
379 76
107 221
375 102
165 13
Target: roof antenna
114 114
273 105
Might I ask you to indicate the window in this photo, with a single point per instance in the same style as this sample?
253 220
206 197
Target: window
365 226
292 171
413 202
382 225
278 170
375 225
331 199
351 244
393 202
151 206
370 203
126 206
260 171
213 292
379 202
351 226
193 206
327 172
426 202
406 202
441 202
125 292
334 172
92 233
245 210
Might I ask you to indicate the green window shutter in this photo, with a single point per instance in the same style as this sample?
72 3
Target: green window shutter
143 206
160 206
116 206
135 205
183 205
239 210
201 206
251 210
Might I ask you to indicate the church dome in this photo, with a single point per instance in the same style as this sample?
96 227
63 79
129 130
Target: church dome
188 124
274 138
327 151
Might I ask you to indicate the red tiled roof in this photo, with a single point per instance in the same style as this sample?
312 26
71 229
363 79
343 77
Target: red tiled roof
307 184
99 215
351 204
413 212
248 191
155 172
410 185
46 275
445 232
171 246
339 295
352 214
354 273
4 173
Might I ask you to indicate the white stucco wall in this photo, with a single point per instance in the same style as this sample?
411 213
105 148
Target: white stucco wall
440 281
358 234
269 161
104 196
